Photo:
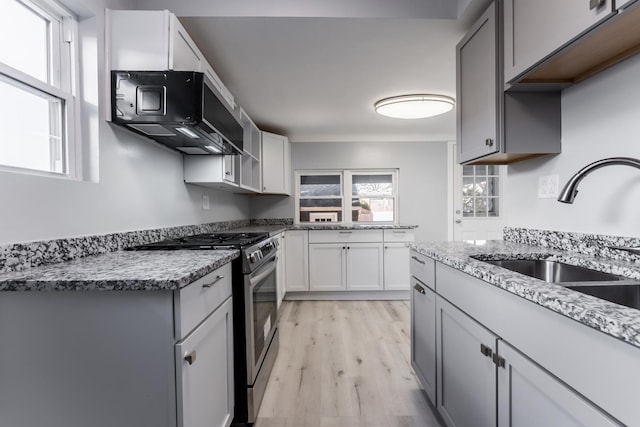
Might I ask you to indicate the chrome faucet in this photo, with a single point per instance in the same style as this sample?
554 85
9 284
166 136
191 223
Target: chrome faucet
570 190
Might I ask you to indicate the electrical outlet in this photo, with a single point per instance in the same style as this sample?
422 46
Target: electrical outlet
548 186
205 201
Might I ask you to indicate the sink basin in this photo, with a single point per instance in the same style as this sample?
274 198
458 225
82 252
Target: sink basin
627 295
554 271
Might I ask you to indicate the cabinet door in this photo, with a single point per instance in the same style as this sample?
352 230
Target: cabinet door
281 275
528 396
204 372
478 89
466 373
396 267
297 260
364 266
275 164
327 268
535 29
183 53
423 337
139 39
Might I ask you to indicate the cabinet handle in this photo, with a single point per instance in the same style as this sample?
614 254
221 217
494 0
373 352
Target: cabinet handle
348 247
488 142
486 351
190 357
227 173
418 260
419 289
594 4
498 360
216 280
345 232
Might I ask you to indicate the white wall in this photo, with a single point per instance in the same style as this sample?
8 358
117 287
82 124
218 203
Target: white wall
422 179
137 183
600 118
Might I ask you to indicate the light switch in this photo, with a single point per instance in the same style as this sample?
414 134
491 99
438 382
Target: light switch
548 186
205 201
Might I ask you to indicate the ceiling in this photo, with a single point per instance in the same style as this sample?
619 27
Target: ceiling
313 70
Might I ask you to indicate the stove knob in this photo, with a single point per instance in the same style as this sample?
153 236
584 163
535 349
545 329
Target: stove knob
255 256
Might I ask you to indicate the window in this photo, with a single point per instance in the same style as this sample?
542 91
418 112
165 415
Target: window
36 87
346 196
480 191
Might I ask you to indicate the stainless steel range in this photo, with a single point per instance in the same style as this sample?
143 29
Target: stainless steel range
256 337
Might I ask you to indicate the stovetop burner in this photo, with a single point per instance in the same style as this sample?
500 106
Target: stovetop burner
206 241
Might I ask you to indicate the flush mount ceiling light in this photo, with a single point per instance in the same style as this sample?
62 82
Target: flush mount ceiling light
414 106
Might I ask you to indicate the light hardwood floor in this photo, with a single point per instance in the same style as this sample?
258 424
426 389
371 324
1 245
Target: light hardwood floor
344 363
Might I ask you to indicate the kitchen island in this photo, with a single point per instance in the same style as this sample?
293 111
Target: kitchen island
126 338
492 346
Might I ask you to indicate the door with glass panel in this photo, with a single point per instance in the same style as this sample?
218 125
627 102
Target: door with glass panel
478 200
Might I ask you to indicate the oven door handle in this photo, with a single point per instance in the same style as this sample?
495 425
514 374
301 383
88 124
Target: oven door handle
264 271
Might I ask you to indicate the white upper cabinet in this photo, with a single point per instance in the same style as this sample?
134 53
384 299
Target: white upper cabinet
155 40
250 163
276 164
533 30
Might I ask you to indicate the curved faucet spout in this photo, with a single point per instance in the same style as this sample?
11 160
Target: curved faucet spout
570 189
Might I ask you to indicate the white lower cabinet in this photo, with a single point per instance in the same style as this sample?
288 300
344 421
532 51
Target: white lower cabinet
528 396
205 372
281 275
327 267
466 372
297 260
345 266
396 266
364 266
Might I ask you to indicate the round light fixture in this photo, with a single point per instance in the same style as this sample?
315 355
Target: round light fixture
414 106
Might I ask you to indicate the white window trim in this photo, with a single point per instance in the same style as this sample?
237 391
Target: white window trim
62 84
346 196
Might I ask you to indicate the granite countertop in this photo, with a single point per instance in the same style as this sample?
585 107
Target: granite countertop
120 271
328 226
616 320
275 229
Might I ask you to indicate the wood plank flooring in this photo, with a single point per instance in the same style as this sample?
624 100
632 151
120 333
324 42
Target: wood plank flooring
344 363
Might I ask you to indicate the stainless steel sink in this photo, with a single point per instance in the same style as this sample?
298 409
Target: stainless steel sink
610 287
627 294
554 271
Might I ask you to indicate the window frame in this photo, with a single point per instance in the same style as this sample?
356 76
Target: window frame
61 84
346 177
499 175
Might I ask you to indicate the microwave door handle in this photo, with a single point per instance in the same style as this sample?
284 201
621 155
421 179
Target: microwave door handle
253 280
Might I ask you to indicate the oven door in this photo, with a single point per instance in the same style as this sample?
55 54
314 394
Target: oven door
261 314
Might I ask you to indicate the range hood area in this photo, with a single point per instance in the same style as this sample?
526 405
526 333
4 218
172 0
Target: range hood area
177 109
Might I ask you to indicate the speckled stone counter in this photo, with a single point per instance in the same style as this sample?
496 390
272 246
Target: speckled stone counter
120 271
613 319
328 226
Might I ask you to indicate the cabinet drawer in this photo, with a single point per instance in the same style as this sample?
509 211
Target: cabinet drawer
401 235
344 236
195 301
423 268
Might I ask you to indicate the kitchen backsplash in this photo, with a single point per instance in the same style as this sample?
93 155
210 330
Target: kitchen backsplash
588 244
18 256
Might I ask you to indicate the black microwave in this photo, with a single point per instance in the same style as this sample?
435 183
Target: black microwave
177 109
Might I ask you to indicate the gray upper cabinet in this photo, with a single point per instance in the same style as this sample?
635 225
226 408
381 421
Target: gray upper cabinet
494 127
478 88
533 30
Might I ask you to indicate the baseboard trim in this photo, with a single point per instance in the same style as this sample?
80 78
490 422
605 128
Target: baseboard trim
348 295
